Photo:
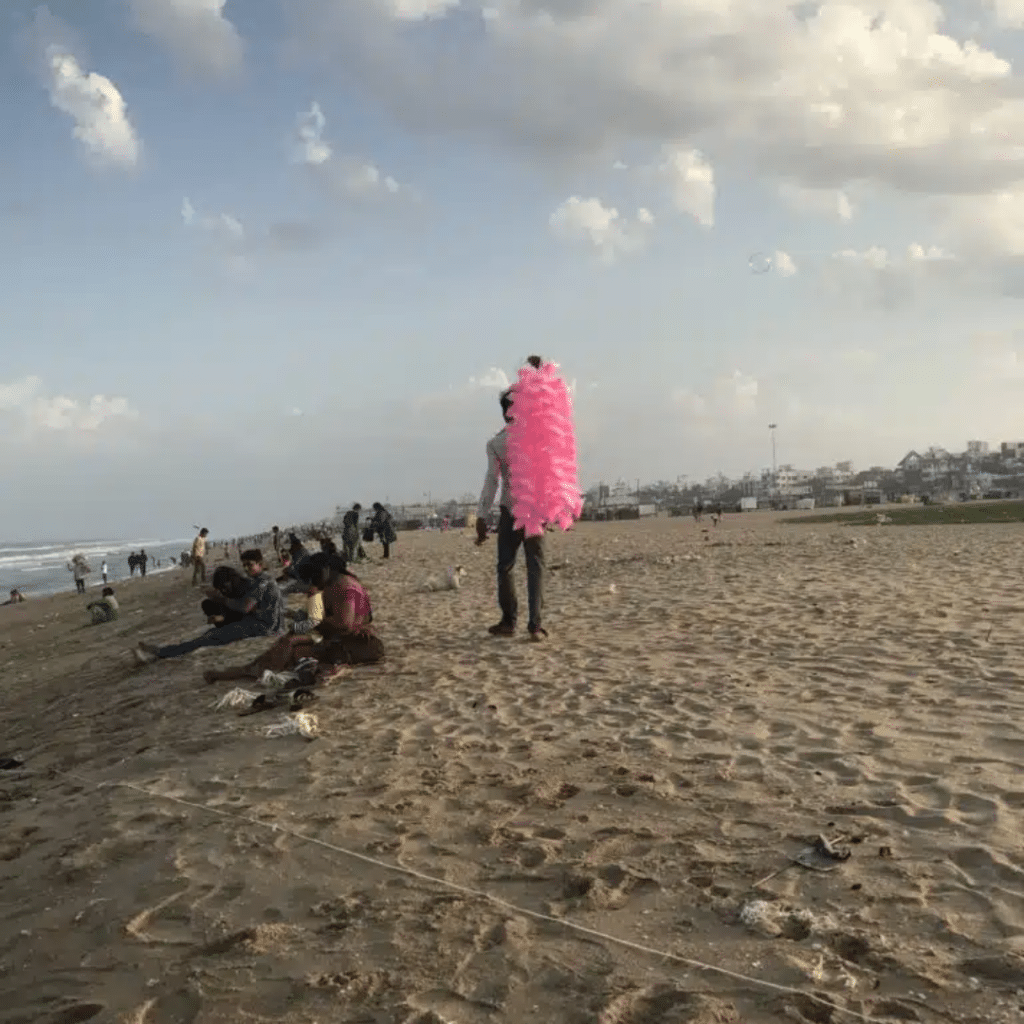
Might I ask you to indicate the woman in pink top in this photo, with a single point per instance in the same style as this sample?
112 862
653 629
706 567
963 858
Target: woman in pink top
346 627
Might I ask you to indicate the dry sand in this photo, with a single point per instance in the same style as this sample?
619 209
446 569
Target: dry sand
709 701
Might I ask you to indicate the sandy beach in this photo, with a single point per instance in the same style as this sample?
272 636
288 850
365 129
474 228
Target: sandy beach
710 701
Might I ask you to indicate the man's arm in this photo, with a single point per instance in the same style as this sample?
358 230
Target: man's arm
490 488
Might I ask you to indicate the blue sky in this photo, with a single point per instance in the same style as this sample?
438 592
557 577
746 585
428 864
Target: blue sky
288 257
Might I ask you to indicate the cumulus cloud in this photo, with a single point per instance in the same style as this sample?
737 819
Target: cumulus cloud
590 222
820 95
97 107
691 183
196 32
346 175
32 411
730 396
223 224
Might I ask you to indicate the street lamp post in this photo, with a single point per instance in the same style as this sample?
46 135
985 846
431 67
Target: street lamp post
775 477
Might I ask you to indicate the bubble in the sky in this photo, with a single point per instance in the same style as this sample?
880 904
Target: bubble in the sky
760 263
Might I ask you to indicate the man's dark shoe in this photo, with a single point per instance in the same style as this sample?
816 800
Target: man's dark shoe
503 629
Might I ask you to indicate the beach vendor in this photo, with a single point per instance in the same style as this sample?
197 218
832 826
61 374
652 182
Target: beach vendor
105 609
348 636
510 539
79 569
263 615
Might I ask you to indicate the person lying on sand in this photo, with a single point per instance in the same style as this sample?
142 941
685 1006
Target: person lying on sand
105 609
263 615
345 627
228 584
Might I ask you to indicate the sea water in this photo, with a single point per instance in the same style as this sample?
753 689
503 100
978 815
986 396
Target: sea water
37 568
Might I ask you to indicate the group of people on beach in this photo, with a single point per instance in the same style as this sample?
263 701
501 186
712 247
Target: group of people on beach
336 627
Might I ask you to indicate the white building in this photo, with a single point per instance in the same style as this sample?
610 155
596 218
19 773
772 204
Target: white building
976 449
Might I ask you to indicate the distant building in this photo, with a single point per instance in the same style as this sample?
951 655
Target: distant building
976 449
1012 449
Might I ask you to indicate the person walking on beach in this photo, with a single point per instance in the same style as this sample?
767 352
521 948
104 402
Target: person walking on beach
384 526
199 557
262 608
509 538
103 570
276 538
79 569
143 559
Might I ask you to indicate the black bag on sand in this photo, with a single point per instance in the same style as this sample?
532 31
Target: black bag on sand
368 534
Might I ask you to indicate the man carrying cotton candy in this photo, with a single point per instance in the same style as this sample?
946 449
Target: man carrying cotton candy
534 456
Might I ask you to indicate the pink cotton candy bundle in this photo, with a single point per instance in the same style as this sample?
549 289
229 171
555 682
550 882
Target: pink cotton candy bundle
543 476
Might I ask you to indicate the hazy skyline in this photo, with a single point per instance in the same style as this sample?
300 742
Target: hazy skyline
263 259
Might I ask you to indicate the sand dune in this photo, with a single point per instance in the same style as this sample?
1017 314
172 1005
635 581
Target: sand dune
710 701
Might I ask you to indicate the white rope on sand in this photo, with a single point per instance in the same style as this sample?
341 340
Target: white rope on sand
488 897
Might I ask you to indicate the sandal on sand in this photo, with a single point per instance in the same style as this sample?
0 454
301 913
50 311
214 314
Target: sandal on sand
264 702
300 699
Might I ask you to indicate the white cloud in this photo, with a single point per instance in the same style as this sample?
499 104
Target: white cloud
732 396
998 359
195 31
824 202
493 379
347 175
988 226
98 109
223 224
309 127
783 264
1008 13
34 412
820 96
591 222
691 183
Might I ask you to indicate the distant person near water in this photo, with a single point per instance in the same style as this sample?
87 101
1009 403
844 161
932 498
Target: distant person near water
263 615
509 538
103 570
79 568
276 538
384 526
105 609
199 557
143 559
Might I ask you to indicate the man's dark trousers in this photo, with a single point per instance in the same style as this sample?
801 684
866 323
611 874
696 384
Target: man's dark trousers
509 540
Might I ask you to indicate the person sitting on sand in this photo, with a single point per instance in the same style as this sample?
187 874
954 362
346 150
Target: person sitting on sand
105 609
348 636
228 583
16 597
263 615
